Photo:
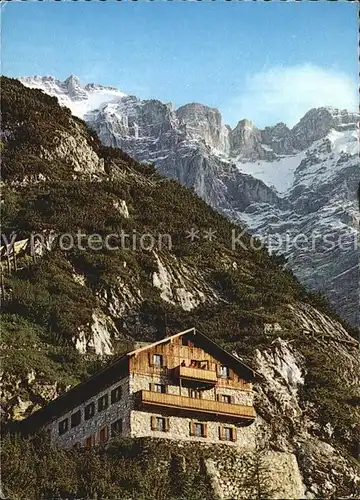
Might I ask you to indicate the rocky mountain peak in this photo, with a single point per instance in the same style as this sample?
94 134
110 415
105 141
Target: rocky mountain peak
278 130
245 140
73 81
72 93
75 88
94 86
318 122
279 138
245 124
204 123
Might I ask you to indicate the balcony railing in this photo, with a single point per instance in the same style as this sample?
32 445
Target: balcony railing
199 374
208 406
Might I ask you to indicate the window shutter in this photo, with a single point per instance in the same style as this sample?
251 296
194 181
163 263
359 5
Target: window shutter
192 432
164 361
232 400
167 424
153 423
217 397
234 434
221 433
103 435
166 389
231 374
205 430
218 370
150 358
151 387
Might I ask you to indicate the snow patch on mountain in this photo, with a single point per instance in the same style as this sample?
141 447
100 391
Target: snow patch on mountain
278 173
79 98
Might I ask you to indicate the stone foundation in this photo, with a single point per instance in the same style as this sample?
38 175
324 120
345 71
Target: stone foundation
248 475
232 473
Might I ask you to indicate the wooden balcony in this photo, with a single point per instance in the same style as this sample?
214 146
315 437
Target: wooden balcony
195 374
179 405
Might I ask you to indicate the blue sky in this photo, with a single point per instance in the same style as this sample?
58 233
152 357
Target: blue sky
268 61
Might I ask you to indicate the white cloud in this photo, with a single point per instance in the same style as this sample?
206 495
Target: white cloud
287 93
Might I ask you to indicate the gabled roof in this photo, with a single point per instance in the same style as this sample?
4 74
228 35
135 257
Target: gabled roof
210 346
118 368
159 342
221 354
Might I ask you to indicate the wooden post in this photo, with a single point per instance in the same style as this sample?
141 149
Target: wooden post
2 283
15 258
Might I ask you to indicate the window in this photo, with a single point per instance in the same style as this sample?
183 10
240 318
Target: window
194 393
187 342
160 424
195 363
116 395
103 402
224 372
63 426
90 441
227 433
225 398
76 418
116 427
89 411
104 434
197 429
158 388
157 360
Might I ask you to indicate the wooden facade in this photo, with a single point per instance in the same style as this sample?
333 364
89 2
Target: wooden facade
185 386
183 358
195 405
186 362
